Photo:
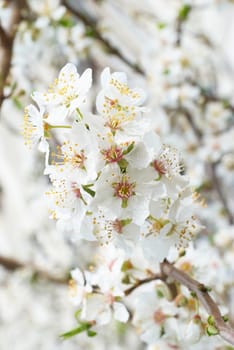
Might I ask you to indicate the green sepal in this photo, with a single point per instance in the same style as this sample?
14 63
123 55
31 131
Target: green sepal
87 189
129 148
127 265
123 163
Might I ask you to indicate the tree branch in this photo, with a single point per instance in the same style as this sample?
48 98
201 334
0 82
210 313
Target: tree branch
12 265
89 22
201 291
7 37
225 330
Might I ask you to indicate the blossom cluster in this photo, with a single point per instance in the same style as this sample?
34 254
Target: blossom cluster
115 182
180 52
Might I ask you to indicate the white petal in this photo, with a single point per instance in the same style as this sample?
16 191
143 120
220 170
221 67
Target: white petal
85 81
105 77
120 312
77 275
68 69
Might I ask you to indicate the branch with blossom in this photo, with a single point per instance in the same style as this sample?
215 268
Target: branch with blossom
115 182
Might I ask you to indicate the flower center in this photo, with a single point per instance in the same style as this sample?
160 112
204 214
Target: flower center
78 159
160 166
113 154
118 226
76 190
124 190
159 317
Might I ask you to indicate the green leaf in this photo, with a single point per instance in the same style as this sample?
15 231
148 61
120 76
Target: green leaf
166 71
75 331
126 279
160 293
193 294
126 222
77 314
66 22
17 103
127 265
91 333
184 12
211 320
161 25
225 318
211 330
90 32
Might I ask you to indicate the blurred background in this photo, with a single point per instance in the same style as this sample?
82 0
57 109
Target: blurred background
181 53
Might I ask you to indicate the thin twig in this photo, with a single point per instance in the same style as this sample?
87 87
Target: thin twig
90 23
12 265
139 283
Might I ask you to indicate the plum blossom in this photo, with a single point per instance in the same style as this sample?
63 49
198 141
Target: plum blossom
67 94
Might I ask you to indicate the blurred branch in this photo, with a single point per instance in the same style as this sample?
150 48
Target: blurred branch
210 96
188 116
90 23
211 166
12 265
7 37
